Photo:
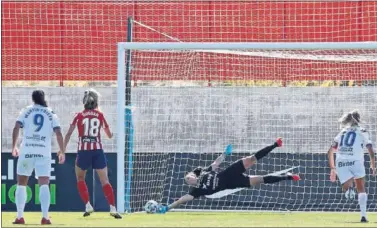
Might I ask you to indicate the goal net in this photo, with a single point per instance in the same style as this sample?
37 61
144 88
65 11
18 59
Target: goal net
213 94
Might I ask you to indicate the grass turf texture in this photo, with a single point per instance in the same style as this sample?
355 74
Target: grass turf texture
197 219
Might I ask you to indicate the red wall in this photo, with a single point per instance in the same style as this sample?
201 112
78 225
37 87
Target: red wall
77 40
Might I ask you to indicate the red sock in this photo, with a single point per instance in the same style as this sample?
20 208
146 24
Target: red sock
109 193
83 191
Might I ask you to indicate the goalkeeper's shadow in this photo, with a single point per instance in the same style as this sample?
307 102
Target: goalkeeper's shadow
356 222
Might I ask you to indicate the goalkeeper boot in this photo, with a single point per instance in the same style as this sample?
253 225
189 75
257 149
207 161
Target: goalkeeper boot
114 213
279 142
88 209
295 177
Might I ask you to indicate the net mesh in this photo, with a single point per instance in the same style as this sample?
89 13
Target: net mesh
181 124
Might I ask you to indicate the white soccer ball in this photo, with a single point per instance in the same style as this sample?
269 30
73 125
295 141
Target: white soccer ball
151 207
350 194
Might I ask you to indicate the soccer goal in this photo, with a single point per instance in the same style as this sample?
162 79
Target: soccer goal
246 94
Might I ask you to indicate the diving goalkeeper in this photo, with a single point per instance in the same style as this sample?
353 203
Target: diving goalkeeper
207 181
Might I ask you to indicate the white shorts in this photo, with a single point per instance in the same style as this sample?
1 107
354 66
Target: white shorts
348 169
28 162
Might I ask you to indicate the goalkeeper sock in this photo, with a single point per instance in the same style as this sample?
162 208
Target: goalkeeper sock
109 194
20 200
263 152
363 197
273 179
83 191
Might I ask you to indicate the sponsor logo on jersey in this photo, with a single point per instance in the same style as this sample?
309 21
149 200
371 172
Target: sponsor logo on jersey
89 139
33 156
344 164
209 178
34 145
36 138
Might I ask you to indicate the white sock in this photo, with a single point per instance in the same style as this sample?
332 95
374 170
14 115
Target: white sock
44 198
363 197
88 207
20 200
113 209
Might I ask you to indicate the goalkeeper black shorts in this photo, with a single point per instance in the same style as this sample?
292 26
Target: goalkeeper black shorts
234 176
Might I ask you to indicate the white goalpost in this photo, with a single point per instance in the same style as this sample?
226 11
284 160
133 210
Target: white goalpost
184 121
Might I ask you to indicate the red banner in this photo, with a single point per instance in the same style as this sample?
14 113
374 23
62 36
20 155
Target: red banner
77 40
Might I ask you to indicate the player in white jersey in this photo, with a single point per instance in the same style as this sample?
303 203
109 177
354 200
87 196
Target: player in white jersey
349 146
39 123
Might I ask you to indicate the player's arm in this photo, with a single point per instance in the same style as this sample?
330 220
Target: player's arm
72 127
15 134
106 128
369 147
215 165
330 156
372 159
184 199
163 208
68 135
59 137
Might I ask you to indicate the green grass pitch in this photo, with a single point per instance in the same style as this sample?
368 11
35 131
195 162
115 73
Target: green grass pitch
198 219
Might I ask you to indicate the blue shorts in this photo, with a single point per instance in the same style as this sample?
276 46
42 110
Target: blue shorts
91 158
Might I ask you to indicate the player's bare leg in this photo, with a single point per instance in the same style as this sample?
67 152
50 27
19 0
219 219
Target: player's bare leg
348 186
251 160
21 198
108 191
83 190
44 198
362 197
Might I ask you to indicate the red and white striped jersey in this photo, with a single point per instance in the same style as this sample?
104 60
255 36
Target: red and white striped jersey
89 124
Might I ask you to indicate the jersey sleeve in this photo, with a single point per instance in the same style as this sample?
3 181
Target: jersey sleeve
55 121
21 118
336 140
366 137
196 192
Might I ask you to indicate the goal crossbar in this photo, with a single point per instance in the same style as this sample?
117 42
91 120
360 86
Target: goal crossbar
243 45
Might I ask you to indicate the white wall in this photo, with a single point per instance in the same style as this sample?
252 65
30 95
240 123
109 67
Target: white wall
205 119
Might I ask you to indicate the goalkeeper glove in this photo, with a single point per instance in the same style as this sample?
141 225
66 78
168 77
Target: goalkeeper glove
162 209
228 150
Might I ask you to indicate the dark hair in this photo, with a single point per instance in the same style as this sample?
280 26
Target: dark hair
90 99
38 97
